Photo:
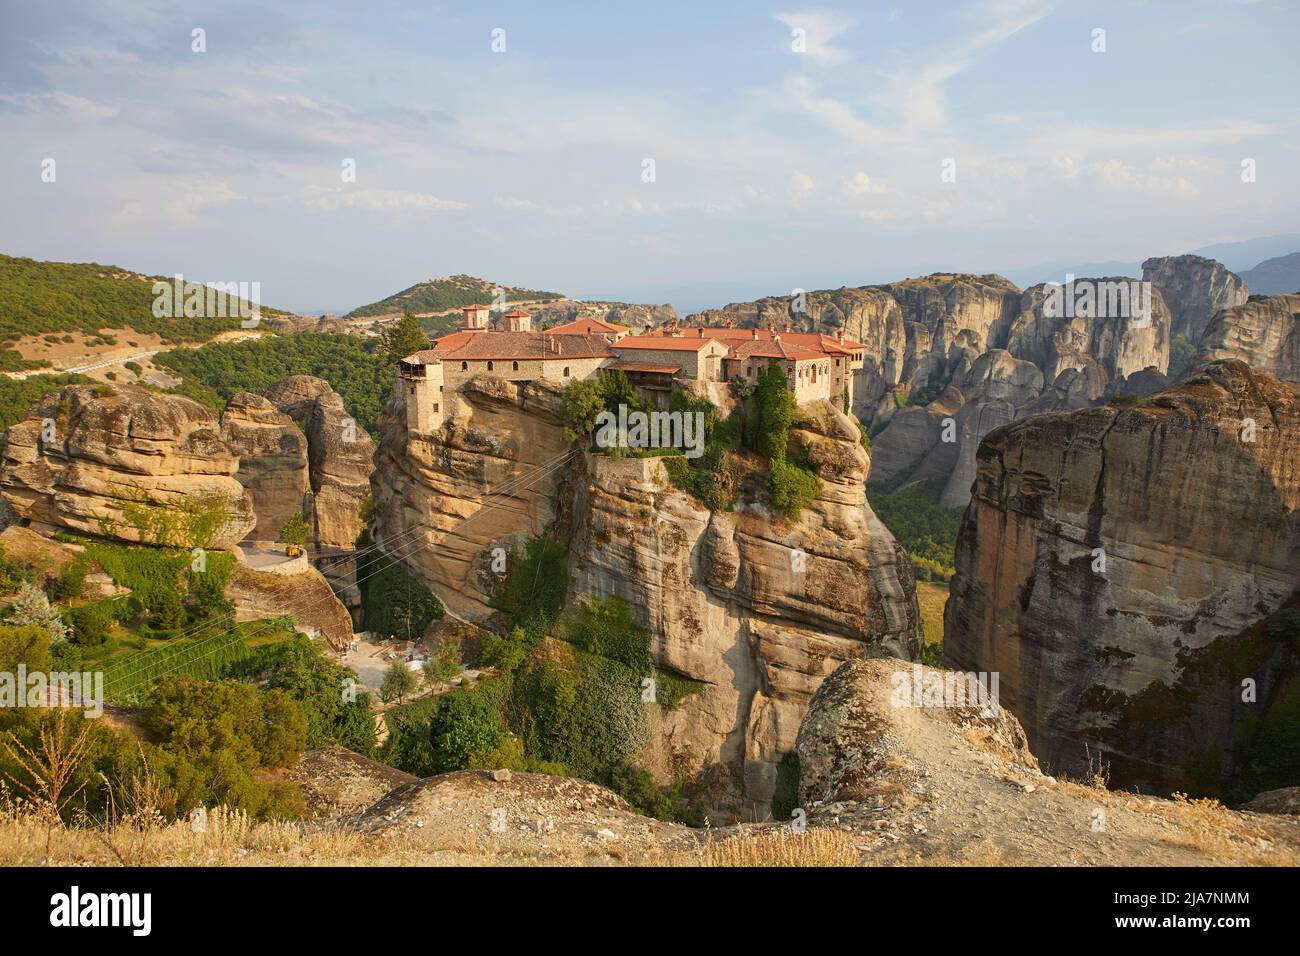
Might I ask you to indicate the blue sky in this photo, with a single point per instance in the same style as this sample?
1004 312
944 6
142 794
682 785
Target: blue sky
773 168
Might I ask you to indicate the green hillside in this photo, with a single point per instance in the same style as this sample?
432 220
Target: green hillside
65 297
452 292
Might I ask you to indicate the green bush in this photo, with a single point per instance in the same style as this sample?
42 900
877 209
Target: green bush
335 712
219 739
89 624
465 724
792 487
785 797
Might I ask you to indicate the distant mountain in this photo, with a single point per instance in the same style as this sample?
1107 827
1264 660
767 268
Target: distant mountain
1239 256
1274 276
450 292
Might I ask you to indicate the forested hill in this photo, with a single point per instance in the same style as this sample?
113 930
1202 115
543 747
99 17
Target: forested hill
41 298
436 295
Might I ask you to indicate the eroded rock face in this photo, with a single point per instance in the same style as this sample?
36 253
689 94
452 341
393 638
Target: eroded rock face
340 456
85 457
1194 288
726 596
1045 357
1111 558
1263 333
272 454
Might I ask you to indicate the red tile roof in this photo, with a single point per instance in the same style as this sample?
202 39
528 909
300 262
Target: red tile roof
586 325
773 349
517 345
676 343
809 340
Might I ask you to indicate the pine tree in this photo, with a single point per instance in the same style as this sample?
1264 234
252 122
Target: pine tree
402 338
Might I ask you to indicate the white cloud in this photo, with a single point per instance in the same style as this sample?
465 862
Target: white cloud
821 28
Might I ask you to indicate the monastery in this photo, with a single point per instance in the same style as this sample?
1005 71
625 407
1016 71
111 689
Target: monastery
816 366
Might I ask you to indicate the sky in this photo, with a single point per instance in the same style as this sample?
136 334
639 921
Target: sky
693 153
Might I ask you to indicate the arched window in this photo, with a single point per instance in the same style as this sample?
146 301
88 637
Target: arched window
464 366
566 371
515 366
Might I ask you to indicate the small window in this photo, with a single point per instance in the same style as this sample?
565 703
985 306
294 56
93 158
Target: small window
515 366
435 408
489 366
566 371
464 366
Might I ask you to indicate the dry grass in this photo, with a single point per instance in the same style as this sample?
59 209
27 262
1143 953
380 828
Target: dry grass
930 599
1209 827
783 847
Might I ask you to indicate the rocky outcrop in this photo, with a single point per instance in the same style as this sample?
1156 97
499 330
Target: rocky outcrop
1194 288
272 454
758 609
123 462
340 457
1065 347
307 597
1263 333
1113 563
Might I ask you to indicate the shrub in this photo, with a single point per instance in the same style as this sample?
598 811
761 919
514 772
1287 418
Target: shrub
89 624
318 685
466 724
792 487
70 581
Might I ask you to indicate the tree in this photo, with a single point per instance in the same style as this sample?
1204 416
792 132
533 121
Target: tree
402 338
294 531
398 682
775 412
444 666
465 725
33 607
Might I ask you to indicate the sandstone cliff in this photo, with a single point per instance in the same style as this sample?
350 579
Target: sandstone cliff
719 592
340 457
1263 333
1195 288
1111 563
272 454
123 462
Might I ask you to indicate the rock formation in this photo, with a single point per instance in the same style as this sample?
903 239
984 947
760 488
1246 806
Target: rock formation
1263 333
272 454
1111 564
1194 288
124 462
340 457
721 593
976 352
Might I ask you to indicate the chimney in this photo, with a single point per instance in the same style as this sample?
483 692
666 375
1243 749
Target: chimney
840 337
753 333
787 327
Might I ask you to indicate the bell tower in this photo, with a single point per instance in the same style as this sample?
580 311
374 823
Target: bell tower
476 318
